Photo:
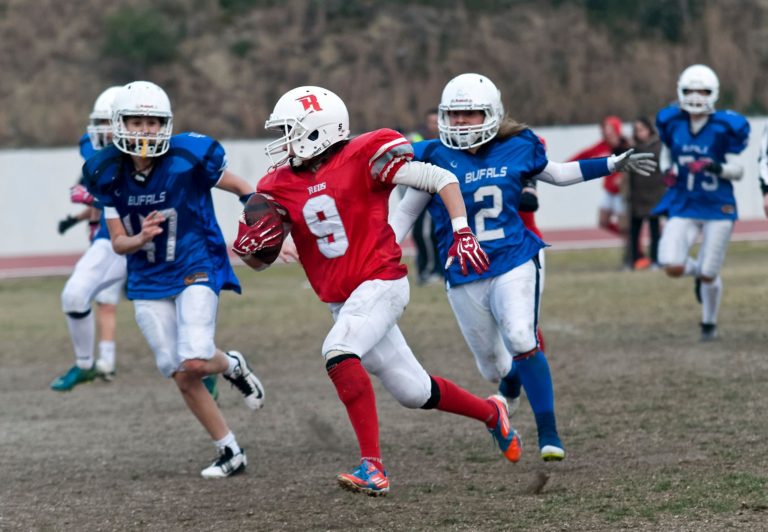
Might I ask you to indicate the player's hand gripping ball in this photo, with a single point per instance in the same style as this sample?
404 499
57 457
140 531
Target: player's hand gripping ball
260 232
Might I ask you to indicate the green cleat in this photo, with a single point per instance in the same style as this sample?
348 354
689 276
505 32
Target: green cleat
72 378
211 385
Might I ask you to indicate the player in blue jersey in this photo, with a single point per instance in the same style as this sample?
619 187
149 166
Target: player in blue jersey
700 145
156 192
498 310
98 276
762 163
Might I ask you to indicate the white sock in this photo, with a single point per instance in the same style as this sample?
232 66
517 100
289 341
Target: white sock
82 332
227 441
107 352
711 294
233 362
691 267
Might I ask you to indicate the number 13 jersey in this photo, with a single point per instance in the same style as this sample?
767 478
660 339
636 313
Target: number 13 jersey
339 213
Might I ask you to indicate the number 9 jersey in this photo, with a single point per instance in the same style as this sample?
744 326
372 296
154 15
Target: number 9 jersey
701 195
339 213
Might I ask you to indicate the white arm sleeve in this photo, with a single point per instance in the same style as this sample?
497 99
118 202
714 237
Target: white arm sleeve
762 158
110 213
561 174
413 203
732 168
423 176
665 159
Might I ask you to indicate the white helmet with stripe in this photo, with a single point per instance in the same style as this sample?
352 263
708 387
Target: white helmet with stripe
469 92
311 120
142 98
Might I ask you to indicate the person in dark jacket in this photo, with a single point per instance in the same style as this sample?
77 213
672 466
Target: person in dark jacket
643 193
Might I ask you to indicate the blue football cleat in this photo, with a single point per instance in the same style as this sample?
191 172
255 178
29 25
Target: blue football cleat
507 438
365 478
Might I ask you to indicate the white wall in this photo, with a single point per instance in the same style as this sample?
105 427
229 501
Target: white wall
34 190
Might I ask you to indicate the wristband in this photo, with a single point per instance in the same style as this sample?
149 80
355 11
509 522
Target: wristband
460 222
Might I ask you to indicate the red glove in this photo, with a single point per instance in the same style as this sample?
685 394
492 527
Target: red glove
699 165
670 178
266 232
80 194
466 248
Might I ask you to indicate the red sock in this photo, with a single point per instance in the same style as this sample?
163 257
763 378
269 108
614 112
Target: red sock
353 385
613 227
457 400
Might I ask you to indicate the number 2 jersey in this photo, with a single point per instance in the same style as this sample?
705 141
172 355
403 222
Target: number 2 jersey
491 183
339 213
191 248
702 195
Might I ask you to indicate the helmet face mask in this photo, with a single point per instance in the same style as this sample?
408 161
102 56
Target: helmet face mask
142 99
698 89
469 92
311 120
100 128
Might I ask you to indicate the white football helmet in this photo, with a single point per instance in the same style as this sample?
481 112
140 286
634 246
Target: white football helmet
469 92
697 78
311 119
99 132
142 98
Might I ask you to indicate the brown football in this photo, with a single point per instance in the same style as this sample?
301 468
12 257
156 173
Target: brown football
258 206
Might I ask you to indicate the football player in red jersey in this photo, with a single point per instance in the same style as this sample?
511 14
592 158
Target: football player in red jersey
336 193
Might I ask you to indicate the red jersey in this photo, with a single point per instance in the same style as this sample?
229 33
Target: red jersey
339 213
612 182
529 221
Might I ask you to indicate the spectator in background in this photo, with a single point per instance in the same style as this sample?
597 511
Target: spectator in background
612 204
428 267
762 162
643 193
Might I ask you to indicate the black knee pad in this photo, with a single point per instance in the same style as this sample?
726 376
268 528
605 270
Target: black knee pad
434 396
78 315
335 361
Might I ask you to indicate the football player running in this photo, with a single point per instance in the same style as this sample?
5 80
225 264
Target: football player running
98 276
698 156
156 192
336 193
498 309
762 162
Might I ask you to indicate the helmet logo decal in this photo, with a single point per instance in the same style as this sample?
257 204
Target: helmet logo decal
310 102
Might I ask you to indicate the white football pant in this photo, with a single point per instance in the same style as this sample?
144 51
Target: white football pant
179 328
679 236
498 317
366 325
98 269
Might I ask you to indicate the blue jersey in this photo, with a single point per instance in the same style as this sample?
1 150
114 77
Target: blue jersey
491 182
86 152
701 195
191 248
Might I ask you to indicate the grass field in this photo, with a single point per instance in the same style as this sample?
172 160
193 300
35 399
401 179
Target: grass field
662 432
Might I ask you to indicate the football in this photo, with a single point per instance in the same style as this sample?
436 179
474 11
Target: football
257 207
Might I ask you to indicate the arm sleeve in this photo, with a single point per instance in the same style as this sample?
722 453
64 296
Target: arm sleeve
732 168
762 161
564 174
665 159
409 208
392 151
110 213
423 176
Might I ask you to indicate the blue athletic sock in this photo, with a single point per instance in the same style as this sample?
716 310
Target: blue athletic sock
537 381
510 384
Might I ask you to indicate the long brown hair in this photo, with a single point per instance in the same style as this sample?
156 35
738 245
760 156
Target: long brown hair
509 128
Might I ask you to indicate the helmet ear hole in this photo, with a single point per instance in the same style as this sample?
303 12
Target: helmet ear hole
314 135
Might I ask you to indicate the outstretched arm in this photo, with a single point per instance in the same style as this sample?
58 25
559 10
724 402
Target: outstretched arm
565 174
236 185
